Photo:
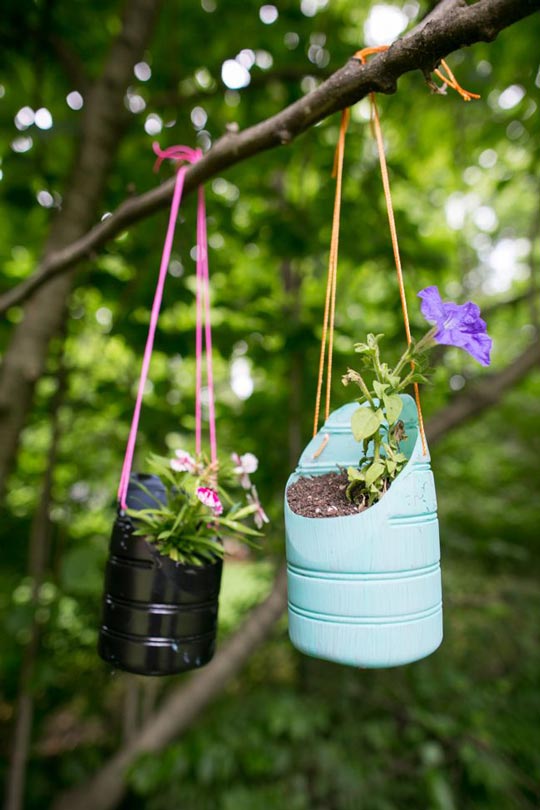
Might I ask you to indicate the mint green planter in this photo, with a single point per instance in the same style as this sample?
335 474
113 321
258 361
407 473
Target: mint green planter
365 590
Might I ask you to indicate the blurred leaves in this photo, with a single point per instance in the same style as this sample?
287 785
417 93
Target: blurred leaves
458 730
436 734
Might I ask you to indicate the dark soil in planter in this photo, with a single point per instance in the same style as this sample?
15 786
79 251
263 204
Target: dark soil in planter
322 496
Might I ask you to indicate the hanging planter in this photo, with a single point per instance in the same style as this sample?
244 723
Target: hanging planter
164 569
362 533
159 615
365 589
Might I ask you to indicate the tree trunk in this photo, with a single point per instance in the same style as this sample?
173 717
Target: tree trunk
476 397
130 709
38 554
22 733
103 123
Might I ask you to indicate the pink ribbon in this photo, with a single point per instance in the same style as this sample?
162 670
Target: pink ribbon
187 155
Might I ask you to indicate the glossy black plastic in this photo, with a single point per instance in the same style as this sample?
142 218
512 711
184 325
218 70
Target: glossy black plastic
159 617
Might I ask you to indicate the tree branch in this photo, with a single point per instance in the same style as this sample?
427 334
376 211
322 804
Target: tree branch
506 303
451 25
482 394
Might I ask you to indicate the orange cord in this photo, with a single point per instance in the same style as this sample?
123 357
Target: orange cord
452 82
393 232
397 256
331 283
449 79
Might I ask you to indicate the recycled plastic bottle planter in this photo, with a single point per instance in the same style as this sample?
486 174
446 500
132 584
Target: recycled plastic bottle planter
365 590
159 616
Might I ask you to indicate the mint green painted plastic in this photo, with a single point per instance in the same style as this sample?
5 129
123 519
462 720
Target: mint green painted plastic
365 590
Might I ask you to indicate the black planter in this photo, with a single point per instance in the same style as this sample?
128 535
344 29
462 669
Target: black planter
159 616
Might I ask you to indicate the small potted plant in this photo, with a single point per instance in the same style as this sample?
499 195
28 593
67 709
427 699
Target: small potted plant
164 570
361 524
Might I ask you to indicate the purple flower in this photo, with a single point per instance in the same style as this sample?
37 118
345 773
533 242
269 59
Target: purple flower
209 497
457 324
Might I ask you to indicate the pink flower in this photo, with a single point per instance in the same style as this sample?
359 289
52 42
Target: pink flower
184 463
259 516
209 497
245 465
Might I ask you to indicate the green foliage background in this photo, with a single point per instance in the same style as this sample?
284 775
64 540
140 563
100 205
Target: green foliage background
459 730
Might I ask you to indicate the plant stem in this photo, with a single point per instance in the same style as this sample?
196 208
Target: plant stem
402 360
424 342
376 446
404 383
415 349
377 363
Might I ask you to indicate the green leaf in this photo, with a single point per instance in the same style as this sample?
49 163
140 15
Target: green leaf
393 405
374 472
139 514
361 347
151 521
355 475
373 340
365 422
244 512
384 371
179 518
238 527
354 490
380 388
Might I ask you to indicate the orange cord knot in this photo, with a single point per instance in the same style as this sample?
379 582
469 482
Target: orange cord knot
449 80
452 82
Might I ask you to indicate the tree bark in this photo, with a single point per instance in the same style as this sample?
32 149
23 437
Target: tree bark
478 396
103 123
38 554
451 26
184 704
130 709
